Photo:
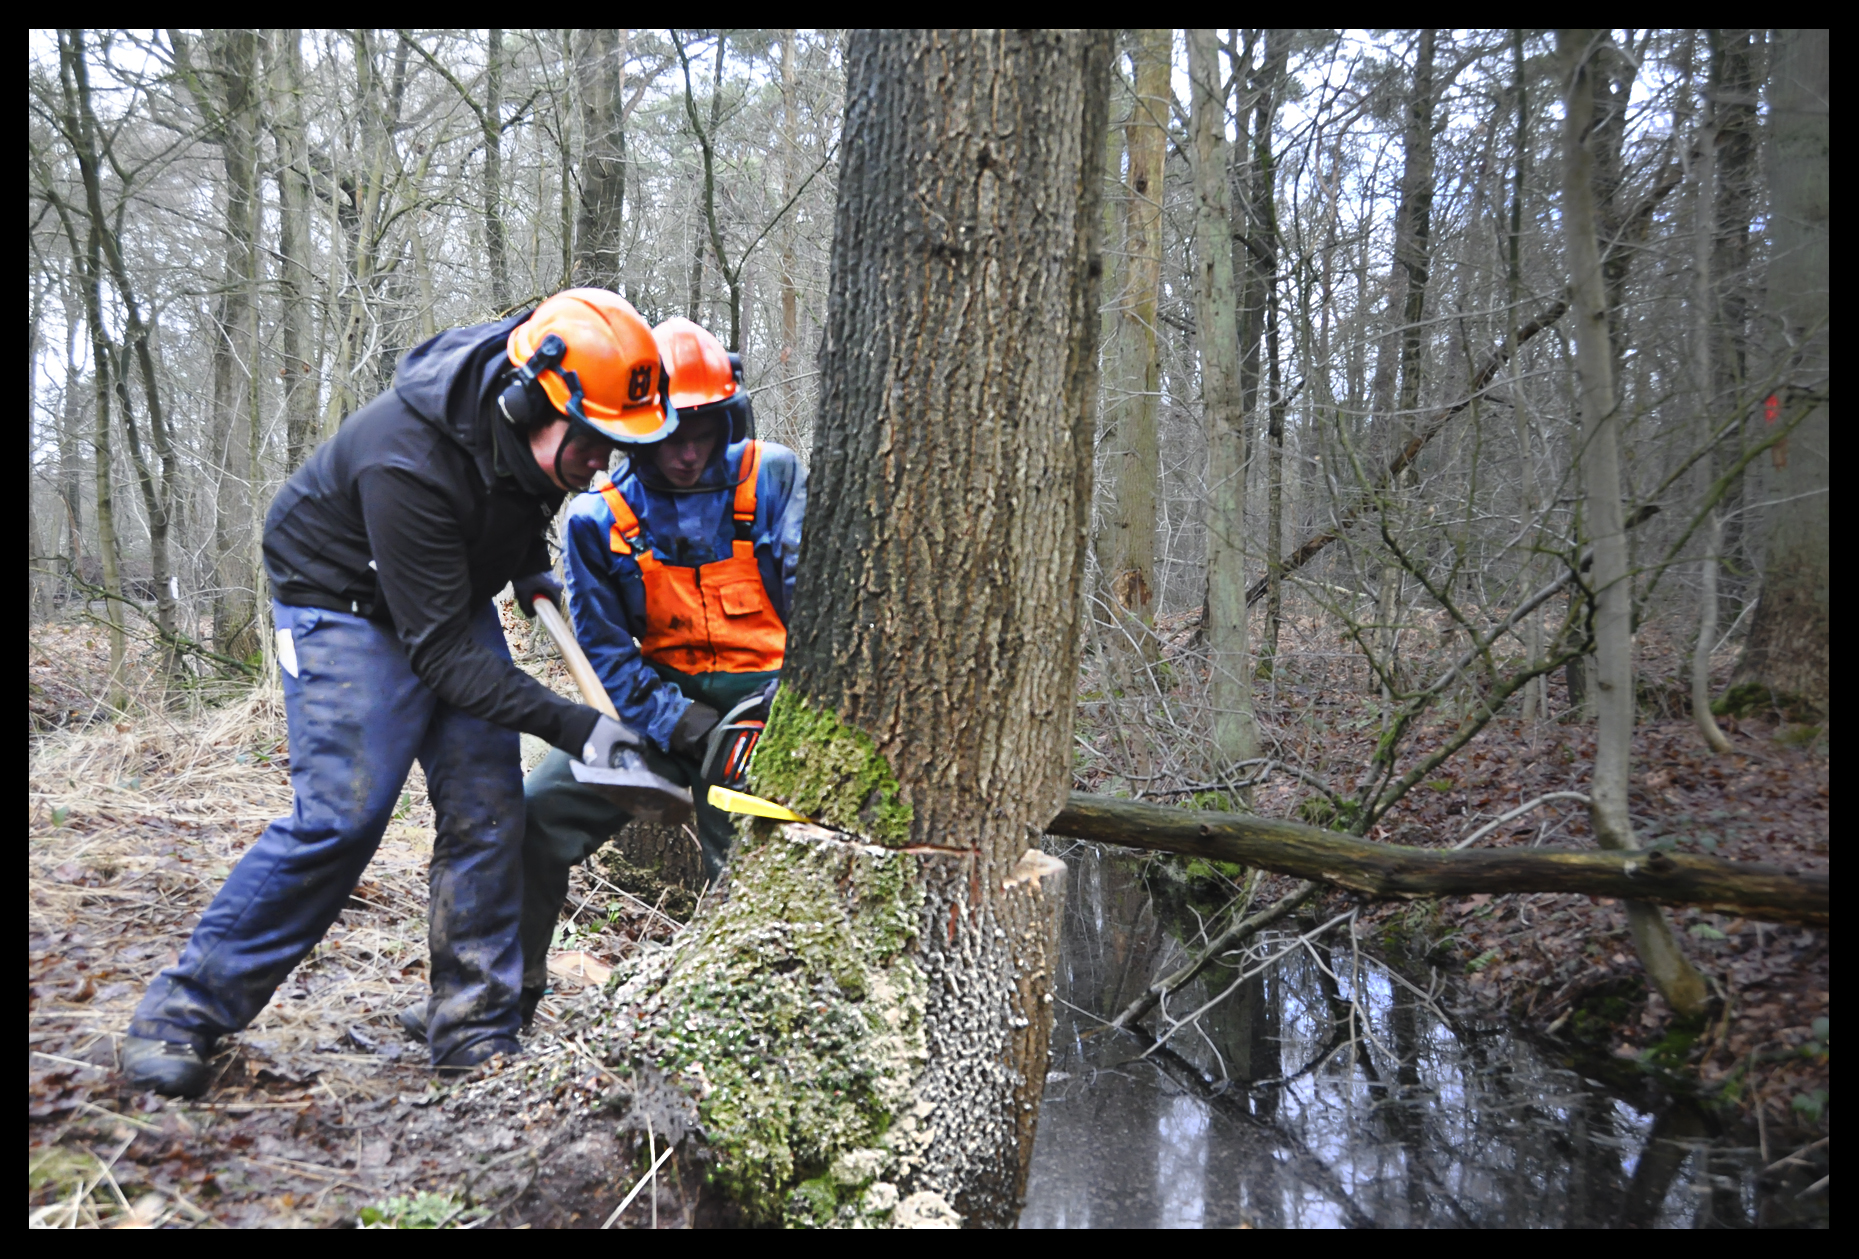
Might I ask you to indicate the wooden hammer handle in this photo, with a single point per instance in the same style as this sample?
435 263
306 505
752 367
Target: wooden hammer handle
578 667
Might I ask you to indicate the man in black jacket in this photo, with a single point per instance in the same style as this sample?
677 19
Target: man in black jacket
384 553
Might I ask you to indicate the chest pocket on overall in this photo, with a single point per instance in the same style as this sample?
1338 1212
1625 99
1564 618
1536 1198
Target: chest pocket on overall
714 618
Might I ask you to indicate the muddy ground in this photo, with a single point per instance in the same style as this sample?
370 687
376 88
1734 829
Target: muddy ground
323 1113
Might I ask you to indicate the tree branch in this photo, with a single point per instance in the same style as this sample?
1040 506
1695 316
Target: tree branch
1390 871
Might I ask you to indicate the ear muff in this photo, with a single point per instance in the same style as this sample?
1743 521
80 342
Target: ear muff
524 402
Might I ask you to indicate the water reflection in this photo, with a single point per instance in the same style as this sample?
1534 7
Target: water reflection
1326 1093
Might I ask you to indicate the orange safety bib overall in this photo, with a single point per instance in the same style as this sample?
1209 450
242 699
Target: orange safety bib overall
714 618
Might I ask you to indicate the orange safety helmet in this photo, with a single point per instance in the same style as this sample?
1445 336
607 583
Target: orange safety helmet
705 378
595 359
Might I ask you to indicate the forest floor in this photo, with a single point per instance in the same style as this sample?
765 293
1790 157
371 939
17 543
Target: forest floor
323 1114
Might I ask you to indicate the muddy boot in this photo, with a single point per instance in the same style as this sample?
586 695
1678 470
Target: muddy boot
169 1067
463 1060
412 1021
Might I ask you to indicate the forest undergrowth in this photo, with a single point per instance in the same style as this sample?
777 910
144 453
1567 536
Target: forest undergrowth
323 1114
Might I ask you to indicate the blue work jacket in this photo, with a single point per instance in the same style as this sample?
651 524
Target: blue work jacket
683 529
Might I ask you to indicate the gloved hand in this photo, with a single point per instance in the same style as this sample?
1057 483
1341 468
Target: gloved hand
608 740
693 729
527 588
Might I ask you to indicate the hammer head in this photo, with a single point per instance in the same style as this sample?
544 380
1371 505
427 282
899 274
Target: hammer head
632 785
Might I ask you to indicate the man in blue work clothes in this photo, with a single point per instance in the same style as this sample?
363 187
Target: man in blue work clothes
384 552
681 573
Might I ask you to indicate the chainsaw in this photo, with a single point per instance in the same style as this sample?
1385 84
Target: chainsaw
732 742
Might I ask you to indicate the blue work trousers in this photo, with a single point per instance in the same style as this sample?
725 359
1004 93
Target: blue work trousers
358 718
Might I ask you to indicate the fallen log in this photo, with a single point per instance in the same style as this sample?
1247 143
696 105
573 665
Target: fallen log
1748 888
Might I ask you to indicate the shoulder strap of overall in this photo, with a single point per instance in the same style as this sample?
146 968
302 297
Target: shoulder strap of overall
745 489
625 529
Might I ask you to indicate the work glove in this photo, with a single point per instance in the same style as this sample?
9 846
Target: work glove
607 744
693 729
527 588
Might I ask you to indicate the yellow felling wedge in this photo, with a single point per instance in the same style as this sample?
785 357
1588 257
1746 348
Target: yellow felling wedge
742 802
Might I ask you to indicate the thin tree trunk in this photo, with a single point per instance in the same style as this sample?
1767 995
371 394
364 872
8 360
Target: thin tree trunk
732 276
1789 652
787 395
1126 549
1735 85
1535 703
600 234
1412 263
492 116
158 493
70 435
1676 979
1702 205
229 105
1229 660
293 179
926 706
1265 217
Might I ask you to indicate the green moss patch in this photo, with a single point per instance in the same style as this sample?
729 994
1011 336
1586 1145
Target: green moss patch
795 1017
817 765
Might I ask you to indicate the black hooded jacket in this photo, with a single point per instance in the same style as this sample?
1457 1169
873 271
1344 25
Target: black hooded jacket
417 512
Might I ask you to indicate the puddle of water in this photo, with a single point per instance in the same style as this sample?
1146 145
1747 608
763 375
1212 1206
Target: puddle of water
1326 1093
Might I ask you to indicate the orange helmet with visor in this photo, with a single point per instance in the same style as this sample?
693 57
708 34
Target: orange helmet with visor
705 378
597 362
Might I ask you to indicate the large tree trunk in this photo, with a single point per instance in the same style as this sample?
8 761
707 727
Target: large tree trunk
600 234
1789 648
1229 660
1610 581
871 1005
1126 547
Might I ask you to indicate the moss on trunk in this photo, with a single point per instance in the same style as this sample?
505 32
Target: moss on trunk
817 765
794 1015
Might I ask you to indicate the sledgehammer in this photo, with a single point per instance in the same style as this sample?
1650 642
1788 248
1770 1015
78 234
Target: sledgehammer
629 782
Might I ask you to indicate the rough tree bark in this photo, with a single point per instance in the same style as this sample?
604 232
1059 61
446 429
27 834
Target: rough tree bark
894 963
1611 583
1230 660
1789 653
599 233
1126 547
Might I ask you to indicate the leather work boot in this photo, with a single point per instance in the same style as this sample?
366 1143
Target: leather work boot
169 1067
413 1018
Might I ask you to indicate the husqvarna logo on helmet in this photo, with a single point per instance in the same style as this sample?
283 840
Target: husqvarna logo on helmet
639 384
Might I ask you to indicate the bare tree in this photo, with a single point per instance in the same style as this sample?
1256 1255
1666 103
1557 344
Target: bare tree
1609 581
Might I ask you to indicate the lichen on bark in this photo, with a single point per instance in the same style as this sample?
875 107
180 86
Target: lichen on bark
818 765
795 1018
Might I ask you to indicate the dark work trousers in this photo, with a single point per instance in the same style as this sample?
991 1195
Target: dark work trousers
358 718
567 822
